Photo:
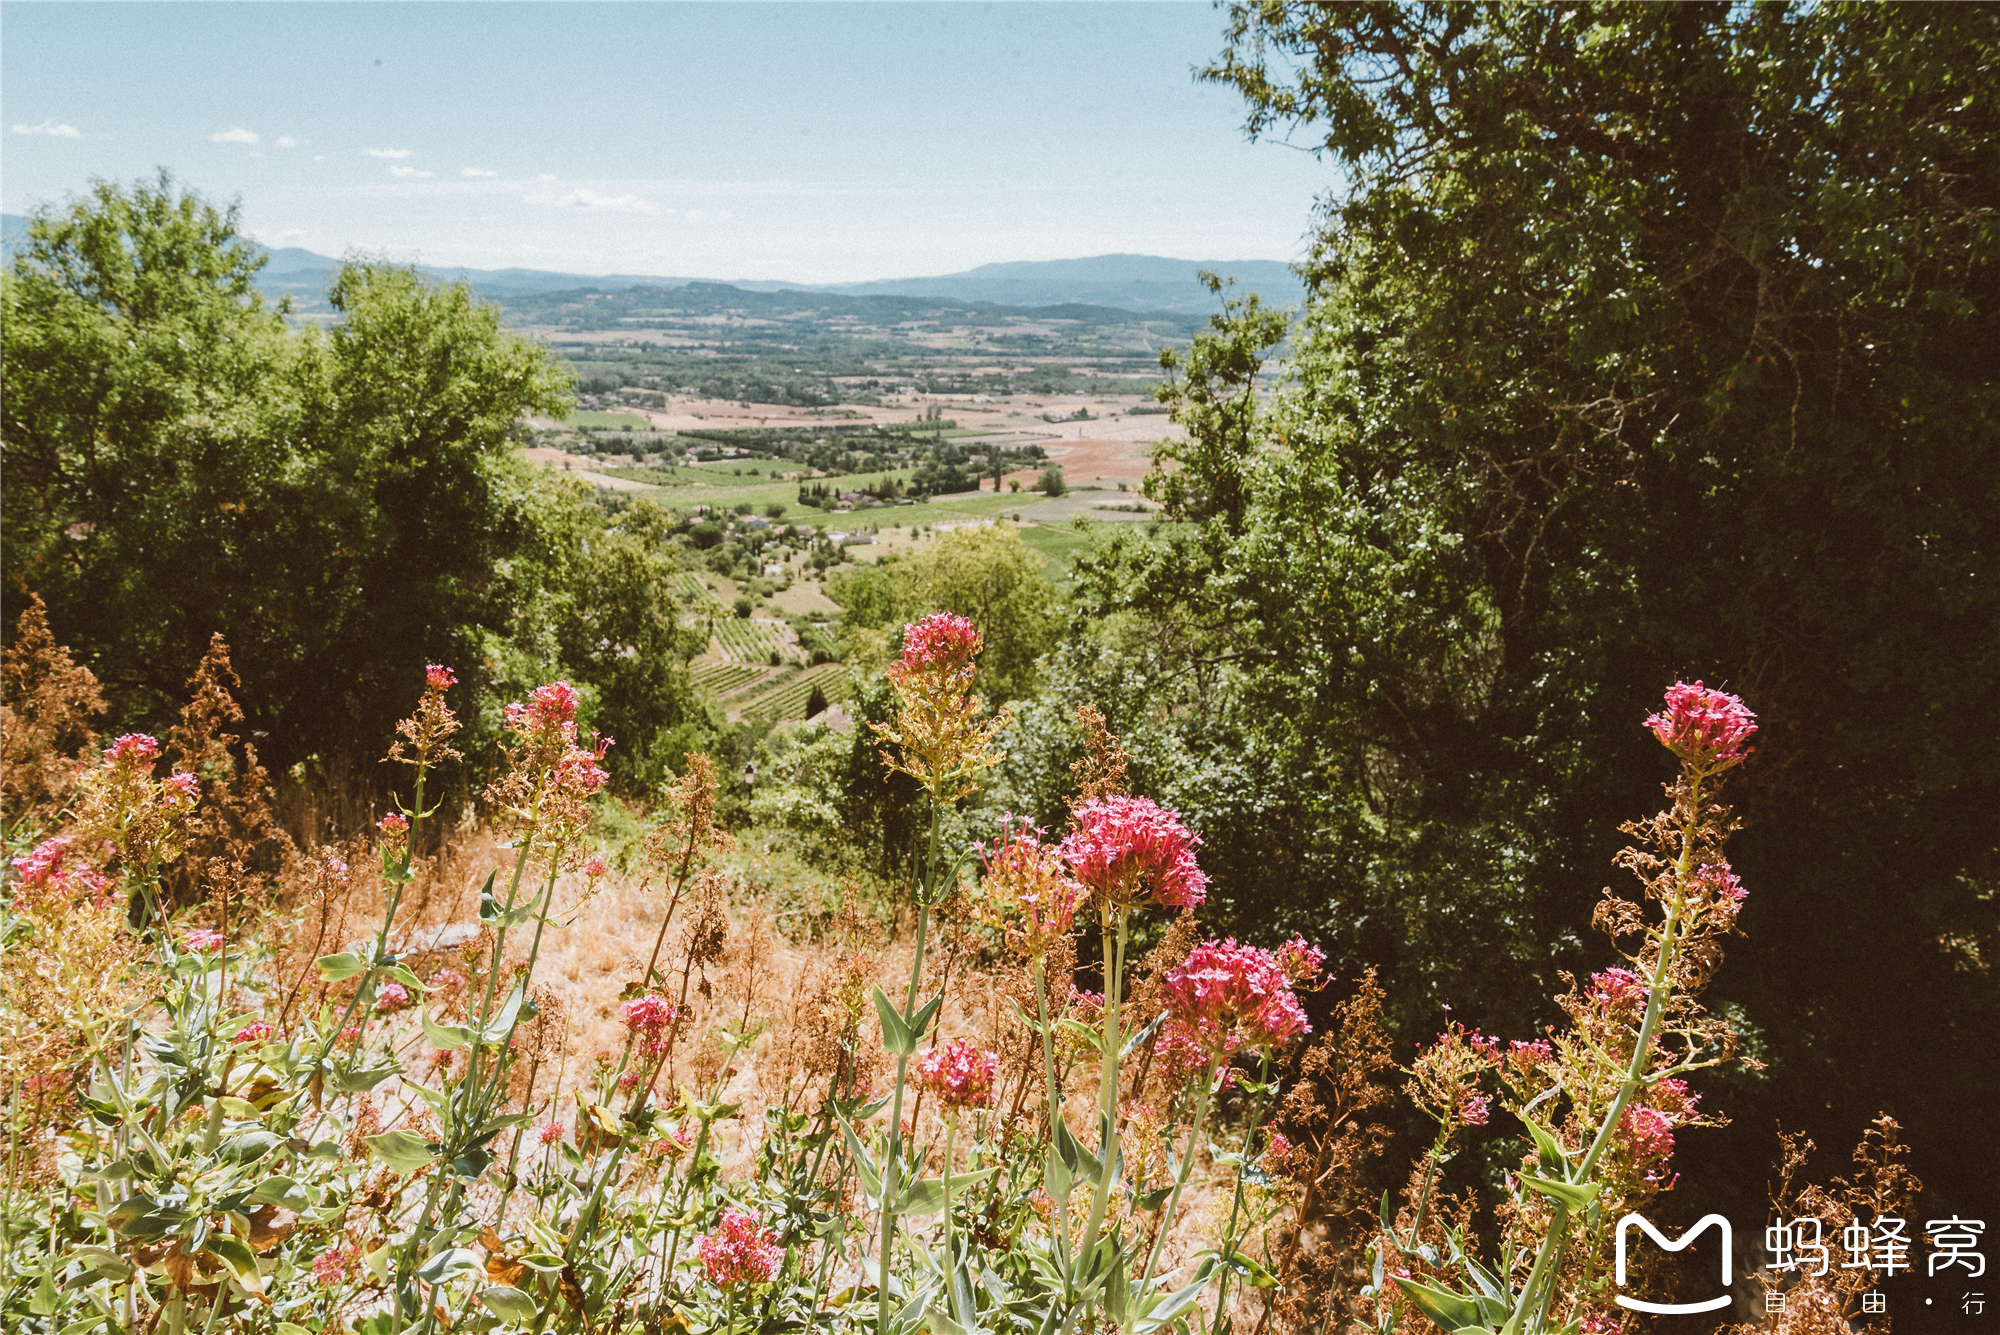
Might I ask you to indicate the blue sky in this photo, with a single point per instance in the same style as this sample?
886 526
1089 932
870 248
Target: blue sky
808 142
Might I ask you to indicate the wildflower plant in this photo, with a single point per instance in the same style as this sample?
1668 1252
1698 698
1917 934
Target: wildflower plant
1601 1098
384 1151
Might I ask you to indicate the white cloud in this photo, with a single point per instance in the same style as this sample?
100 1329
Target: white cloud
287 141
237 135
475 171
585 198
409 171
389 152
319 157
51 129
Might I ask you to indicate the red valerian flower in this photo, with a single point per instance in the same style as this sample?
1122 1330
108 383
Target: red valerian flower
651 1020
1706 727
548 709
1028 881
334 1265
740 1251
182 787
595 866
202 940
254 1032
1720 883
937 735
550 1134
960 1073
136 749
1619 989
942 643
1130 850
1228 998
1649 1132
392 998
438 677
1472 1108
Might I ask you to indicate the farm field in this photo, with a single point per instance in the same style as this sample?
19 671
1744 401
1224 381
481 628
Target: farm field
585 420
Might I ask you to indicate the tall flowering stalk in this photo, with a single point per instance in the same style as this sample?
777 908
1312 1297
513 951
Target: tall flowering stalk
1223 1002
1625 1106
940 736
1127 852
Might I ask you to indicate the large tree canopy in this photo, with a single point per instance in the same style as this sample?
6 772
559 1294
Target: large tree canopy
1644 342
344 505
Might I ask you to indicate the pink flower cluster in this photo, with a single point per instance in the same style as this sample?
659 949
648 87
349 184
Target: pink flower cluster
550 1134
1649 1132
1618 990
960 1073
1706 727
1647 1128
651 1020
740 1251
392 998
1720 884
438 677
1028 878
334 1265
1228 998
548 709
942 644
254 1032
135 749
48 874
1129 850
202 940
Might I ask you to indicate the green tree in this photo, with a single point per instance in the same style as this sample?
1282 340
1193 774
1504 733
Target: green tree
984 572
1643 343
340 504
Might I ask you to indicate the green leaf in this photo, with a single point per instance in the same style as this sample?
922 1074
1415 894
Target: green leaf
508 1303
248 1146
896 1036
405 977
449 1264
920 1023
1176 1303
926 1195
1137 1040
1453 1311
1254 1274
360 1081
339 968
443 1037
517 1009
281 1191
1575 1195
236 1254
1554 1162
864 1166
403 1151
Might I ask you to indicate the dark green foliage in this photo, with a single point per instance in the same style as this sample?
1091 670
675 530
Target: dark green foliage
343 506
1645 343
180 463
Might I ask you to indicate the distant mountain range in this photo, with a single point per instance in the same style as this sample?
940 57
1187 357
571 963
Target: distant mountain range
1122 282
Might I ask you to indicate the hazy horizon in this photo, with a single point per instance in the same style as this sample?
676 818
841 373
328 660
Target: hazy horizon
802 143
